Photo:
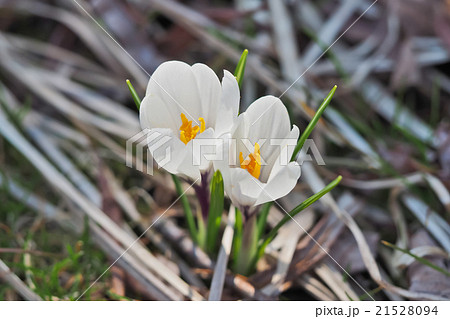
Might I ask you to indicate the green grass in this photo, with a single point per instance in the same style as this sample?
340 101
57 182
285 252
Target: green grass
70 266
71 261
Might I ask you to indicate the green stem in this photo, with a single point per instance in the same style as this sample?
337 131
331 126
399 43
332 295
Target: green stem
313 123
240 67
215 212
134 94
237 238
187 209
249 247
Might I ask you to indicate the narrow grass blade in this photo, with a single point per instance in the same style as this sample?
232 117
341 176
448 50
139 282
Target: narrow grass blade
306 203
313 123
187 209
262 219
134 94
418 258
237 239
240 68
215 212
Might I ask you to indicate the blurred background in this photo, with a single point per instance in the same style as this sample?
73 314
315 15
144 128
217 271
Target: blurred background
69 206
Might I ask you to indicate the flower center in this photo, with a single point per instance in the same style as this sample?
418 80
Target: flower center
252 163
189 132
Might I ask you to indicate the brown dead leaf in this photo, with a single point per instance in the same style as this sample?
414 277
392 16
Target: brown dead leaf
442 23
443 136
120 21
223 15
117 280
345 251
399 155
419 11
112 209
406 71
424 279
109 204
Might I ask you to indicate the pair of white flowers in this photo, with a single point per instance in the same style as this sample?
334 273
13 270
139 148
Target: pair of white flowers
186 103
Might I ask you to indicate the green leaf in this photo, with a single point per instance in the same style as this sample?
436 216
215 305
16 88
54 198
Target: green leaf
244 264
134 94
237 238
187 209
422 260
240 68
313 123
215 211
294 212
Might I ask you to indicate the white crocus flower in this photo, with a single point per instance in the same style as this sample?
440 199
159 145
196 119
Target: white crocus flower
256 167
184 103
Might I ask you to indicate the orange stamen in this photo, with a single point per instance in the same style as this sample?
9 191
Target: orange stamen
189 132
252 163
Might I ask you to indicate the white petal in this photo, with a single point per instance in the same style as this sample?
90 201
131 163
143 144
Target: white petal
154 113
165 148
280 184
283 155
209 91
187 169
175 84
229 104
266 120
242 188
170 153
232 176
222 161
245 189
202 147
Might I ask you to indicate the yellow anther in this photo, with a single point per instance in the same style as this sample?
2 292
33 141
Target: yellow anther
252 163
189 132
202 124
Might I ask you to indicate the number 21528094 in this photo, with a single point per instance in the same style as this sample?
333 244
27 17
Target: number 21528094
406 310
